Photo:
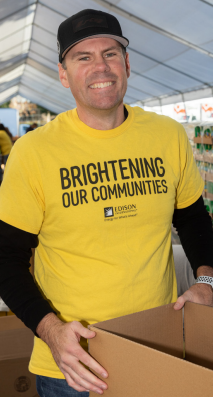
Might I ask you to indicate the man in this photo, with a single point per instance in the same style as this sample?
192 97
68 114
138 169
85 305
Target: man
5 148
31 127
95 191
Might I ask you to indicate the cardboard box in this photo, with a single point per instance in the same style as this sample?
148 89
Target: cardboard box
143 352
16 343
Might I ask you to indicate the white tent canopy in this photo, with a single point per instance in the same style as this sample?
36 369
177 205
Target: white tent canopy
171 49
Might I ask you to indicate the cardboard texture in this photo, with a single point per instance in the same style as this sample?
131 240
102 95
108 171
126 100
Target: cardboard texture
143 352
16 343
199 339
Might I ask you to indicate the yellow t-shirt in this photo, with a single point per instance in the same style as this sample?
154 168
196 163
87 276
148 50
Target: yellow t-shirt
102 203
5 143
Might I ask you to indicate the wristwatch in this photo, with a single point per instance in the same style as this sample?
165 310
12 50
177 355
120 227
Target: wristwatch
205 280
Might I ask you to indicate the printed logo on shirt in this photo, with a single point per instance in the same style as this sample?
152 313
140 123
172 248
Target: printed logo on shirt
120 212
108 212
125 208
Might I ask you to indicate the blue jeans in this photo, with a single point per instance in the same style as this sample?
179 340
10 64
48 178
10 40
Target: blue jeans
51 387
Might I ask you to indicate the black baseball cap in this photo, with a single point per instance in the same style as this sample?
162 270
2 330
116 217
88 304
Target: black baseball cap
85 24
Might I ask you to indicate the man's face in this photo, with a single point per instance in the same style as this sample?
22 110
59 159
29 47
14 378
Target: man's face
96 72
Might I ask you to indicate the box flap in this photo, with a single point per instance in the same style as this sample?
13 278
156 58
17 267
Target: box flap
198 324
160 328
136 370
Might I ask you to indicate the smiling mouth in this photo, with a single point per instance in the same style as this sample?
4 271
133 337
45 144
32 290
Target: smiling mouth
101 85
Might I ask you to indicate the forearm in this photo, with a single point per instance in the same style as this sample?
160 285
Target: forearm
46 327
22 296
205 271
195 231
17 287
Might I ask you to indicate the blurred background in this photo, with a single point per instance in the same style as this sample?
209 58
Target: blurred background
171 56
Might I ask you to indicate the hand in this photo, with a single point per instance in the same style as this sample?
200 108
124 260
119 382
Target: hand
63 340
197 293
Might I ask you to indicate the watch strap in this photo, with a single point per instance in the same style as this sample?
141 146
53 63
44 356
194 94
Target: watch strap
205 280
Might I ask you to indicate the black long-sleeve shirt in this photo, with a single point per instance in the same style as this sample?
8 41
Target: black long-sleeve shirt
22 295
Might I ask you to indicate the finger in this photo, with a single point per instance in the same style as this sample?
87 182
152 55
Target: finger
71 361
86 359
79 380
181 301
81 330
86 375
73 384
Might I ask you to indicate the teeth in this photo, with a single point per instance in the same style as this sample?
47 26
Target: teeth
101 85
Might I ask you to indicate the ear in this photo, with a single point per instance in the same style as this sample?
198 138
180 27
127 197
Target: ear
127 65
63 76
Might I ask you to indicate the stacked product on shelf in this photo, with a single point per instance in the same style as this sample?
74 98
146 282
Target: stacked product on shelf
203 152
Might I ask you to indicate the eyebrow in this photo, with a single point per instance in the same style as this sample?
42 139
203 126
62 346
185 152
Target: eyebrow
83 53
79 53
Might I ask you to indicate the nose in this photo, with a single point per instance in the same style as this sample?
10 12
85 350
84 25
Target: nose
101 65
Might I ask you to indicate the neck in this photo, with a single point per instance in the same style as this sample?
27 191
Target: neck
104 119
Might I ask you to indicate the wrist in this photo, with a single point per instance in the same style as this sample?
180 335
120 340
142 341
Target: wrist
46 327
205 271
205 280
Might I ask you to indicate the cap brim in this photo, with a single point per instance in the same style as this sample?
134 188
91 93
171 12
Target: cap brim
121 40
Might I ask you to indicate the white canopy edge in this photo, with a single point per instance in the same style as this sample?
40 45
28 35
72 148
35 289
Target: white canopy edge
170 63
187 96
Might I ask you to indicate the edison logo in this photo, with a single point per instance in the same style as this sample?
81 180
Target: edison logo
108 212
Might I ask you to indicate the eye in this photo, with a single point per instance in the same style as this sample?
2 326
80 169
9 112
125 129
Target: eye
84 59
110 54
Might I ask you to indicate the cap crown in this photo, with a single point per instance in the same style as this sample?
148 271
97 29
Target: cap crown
85 24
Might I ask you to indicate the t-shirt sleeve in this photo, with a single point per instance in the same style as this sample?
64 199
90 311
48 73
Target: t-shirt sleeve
190 184
22 201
